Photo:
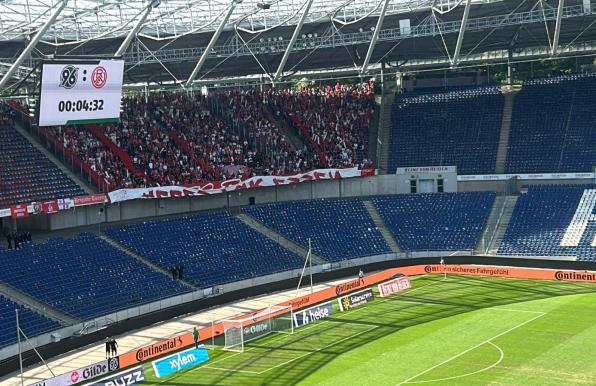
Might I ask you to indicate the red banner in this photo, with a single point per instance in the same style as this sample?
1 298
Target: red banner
231 185
90 199
19 211
393 286
49 207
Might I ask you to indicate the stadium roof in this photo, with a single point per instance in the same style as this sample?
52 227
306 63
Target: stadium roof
254 35
97 19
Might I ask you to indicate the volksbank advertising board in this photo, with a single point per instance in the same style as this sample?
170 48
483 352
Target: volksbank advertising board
312 314
180 361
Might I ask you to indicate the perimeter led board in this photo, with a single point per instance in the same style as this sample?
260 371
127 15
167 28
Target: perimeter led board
80 92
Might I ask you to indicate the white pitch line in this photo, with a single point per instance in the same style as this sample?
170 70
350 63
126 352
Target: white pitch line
514 310
319 349
501 357
206 366
471 348
234 370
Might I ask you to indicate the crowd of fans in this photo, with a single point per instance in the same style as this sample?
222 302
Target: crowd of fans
95 154
247 112
179 139
337 118
143 132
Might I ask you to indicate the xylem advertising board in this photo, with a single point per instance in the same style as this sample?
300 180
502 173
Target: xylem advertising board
180 361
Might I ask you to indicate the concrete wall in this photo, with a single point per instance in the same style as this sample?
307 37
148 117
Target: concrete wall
350 187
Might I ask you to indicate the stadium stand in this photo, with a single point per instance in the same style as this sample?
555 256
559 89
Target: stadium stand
333 119
175 139
26 174
436 221
247 111
212 248
339 229
30 322
84 276
552 128
542 217
458 127
95 154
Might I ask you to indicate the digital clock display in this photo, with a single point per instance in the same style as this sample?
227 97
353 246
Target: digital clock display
81 105
80 92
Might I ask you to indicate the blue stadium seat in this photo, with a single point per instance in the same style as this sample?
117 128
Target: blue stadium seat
436 221
552 128
541 218
30 322
339 228
455 127
213 248
26 175
84 276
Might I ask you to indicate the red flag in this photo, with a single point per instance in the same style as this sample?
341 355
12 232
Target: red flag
19 210
49 207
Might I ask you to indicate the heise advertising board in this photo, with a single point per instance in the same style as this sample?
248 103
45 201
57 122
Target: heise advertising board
180 361
312 314
356 299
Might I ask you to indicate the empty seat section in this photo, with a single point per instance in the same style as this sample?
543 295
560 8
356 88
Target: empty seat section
458 127
552 128
30 322
339 229
436 221
26 175
553 221
84 276
213 248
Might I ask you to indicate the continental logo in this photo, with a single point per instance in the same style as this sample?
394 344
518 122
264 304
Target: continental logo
158 348
469 270
575 276
349 286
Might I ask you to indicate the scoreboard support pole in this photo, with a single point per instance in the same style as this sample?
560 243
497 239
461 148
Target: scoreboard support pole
31 45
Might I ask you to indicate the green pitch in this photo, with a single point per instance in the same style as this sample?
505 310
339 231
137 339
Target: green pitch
454 331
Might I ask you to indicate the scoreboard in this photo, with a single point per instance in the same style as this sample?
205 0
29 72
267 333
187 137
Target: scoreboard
80 92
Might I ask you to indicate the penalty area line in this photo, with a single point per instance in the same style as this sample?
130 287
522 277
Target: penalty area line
319 349
470 349
501 357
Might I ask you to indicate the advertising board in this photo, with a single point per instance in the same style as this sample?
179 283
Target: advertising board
312 314
180 361
355 300
394 285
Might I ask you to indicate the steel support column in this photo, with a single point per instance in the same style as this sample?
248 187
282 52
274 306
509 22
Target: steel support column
375 37
460 37
288 50
133 32
212 42
31 45
555 47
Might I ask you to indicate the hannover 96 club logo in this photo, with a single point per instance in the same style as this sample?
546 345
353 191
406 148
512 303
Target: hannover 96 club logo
69 76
